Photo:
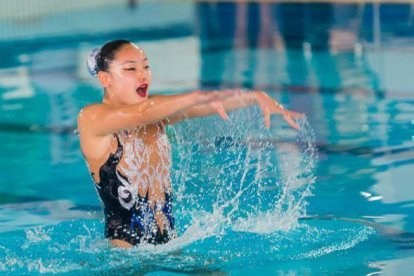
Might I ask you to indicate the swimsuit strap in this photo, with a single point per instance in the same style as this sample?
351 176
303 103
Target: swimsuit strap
119 150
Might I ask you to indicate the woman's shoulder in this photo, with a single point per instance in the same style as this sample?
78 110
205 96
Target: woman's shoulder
91 110
87 114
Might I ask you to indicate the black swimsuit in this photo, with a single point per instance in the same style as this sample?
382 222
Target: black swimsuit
136 224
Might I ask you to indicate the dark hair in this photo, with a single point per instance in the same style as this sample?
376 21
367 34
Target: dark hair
107 53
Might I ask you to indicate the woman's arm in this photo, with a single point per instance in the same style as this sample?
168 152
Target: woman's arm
237 101
102 119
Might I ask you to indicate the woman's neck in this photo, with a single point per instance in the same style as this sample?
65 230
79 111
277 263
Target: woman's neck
107 99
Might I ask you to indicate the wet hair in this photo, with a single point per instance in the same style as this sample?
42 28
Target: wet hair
100 58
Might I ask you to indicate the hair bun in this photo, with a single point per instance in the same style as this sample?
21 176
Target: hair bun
91 63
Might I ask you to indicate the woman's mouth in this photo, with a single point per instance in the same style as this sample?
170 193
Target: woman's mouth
142 90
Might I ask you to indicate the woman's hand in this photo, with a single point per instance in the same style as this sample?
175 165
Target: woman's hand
270 107
214 99
218 106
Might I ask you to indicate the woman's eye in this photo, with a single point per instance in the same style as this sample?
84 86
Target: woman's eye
130 69
146 67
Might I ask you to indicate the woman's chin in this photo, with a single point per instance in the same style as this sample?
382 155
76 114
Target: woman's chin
138 99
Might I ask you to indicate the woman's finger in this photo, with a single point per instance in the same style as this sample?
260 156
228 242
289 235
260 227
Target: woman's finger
293 114
266 115
296 115
291 122
220 110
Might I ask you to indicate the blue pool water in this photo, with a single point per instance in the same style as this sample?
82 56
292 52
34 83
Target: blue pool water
334 198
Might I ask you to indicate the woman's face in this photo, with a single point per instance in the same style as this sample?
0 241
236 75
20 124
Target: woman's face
130 75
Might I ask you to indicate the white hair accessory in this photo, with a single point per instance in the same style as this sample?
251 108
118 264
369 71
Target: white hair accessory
91 63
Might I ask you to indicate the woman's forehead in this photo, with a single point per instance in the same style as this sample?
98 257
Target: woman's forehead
130 52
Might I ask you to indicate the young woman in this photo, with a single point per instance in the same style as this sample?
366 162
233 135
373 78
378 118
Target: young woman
124 142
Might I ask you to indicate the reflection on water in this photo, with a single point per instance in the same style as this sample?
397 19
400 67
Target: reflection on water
30 213
347 66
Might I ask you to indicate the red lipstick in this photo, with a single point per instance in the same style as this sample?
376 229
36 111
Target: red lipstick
142 90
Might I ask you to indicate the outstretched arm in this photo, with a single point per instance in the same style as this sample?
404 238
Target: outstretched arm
102 119
236 101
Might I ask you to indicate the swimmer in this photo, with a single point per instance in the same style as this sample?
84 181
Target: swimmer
126 148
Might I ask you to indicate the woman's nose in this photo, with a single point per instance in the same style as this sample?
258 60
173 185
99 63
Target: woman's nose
142 77
139 75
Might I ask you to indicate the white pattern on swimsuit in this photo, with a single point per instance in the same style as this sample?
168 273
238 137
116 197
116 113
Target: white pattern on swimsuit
144 177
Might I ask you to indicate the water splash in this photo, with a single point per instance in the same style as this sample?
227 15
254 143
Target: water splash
239 191
249 177
36 235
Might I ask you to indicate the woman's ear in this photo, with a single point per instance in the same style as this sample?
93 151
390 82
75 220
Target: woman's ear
104 78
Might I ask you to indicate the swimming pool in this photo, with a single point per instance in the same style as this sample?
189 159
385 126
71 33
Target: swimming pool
334 198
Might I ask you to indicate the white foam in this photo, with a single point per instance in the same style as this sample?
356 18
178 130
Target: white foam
267 222
36 235
347 243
